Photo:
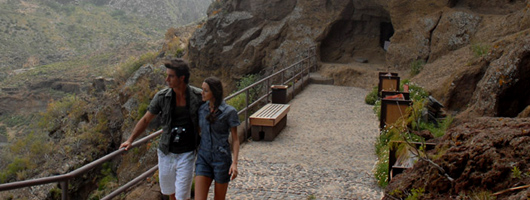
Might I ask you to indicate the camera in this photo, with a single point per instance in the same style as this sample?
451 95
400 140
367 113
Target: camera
176 133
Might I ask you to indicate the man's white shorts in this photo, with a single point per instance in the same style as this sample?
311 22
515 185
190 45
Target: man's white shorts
175 173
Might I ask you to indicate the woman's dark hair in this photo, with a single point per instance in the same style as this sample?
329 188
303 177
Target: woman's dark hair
216 87
180 66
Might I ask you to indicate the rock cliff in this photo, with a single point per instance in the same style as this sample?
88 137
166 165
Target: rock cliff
475 51
264 36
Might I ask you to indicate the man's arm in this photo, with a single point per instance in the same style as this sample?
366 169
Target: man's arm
138 129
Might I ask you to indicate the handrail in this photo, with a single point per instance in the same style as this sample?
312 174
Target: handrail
310 59
63 179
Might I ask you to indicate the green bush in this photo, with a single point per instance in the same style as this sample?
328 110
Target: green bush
239 101
415 194
18 165
439 129
377 109
516 172
55 193
381 172
216 5
66 110
3 130
15 120
482 195
416 92
372 97
108 176
479 49
402 131
179 53
126 69
416 67
249 80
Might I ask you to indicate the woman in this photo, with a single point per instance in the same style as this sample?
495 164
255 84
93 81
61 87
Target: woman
214 161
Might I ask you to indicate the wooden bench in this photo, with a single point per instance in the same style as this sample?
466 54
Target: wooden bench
268 121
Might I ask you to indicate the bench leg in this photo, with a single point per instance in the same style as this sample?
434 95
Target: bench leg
272 132
255 131
268 133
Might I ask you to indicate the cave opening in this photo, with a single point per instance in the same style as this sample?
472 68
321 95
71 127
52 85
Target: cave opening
516 98
349 40
386 32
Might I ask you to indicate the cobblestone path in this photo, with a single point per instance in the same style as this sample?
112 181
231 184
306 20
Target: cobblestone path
326 151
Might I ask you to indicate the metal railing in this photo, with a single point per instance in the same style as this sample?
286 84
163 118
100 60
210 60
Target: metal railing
297 70
300 68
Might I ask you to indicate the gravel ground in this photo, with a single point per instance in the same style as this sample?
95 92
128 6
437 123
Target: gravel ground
326 151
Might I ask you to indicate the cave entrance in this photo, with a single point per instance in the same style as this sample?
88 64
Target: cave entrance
348 40
516 98
386 32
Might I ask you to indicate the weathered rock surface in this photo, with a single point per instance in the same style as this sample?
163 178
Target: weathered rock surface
474 51
263 36
481 155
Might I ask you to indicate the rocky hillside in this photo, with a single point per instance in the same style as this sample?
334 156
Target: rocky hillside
56 47
35 33
473 53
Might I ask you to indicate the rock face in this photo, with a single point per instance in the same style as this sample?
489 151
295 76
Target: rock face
477 58
476 52
263 36
481 155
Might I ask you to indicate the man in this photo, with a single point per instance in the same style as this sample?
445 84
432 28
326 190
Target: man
178 107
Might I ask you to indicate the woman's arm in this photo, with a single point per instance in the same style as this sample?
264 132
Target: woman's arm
235 143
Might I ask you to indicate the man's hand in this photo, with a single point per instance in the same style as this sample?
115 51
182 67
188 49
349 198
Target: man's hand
125 145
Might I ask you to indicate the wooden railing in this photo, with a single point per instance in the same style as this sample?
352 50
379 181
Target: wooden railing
297 71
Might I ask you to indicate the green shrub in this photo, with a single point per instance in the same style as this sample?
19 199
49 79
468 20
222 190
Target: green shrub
415 194
377 109
18 165
126 69
3 130
249 80
142 109
179 53
15 120
401 131
381 172
482 195
67 110
216 5
516 173
55 193
239 101
437 130
416 67
108 176
372 97
479 49
416 92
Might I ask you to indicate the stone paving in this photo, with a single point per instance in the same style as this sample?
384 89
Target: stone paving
326 151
